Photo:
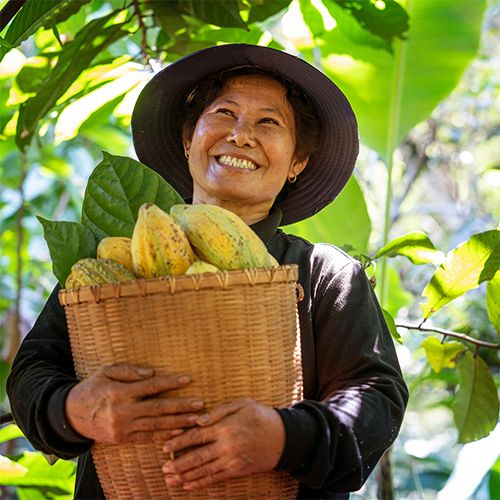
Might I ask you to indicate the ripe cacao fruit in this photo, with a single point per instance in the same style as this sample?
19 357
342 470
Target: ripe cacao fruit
220 237
90 271
202 267
159 245
117 248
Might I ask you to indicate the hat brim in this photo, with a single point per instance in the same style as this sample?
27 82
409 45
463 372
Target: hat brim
158 140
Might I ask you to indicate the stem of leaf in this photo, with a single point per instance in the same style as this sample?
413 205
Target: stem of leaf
392 137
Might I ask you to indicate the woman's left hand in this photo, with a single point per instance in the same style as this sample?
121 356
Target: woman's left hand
237 439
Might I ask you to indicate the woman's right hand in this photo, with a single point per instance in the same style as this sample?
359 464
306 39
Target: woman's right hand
120 404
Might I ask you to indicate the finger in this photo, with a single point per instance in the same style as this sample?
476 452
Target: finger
163 406
209 480
157 385
157 436
181 421
192 437
219 412
194 464
126 373
206 470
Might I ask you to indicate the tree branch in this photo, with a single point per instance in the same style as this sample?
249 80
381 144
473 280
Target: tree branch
143 28
449 333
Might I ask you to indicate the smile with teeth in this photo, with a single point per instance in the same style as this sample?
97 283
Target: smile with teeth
237 162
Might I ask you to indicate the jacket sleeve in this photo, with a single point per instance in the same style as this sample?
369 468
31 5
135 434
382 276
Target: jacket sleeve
42 375
335 439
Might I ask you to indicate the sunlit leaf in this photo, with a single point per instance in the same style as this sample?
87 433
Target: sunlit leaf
331 224
10 470
68 242
464 268
76 113
416 246
40 473
116 189
476 404
28 80
224 13
493 301
392 326
10 432
91 40
390 94
442 355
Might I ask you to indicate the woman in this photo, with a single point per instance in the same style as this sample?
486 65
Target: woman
266 135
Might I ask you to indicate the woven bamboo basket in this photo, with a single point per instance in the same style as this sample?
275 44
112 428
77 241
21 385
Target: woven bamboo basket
236 333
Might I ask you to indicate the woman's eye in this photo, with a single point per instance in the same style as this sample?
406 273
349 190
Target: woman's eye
225 111
269 120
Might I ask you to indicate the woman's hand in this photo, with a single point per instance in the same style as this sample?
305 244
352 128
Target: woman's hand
237 439
120 404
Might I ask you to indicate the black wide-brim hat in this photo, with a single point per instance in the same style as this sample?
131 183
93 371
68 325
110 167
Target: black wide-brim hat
158 139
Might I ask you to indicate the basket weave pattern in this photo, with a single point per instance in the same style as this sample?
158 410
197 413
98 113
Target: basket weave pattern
236 333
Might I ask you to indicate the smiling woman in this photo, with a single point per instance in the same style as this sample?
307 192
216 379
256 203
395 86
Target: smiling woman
253 121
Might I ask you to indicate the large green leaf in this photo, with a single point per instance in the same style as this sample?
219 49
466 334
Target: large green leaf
116 189
464 268
493 301
224 13
390 94
416 246
10 432
476 404
77 56
387 20
68 242
442 355
30 17
260 11
344 222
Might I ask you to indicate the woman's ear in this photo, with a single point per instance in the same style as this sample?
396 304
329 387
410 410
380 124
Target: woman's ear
187 145
298 166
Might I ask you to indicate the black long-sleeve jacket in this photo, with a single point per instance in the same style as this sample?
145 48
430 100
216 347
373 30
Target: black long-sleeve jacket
354 393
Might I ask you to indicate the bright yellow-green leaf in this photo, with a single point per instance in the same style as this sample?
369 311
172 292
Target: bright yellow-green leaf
392 326
464 268
10 469
415 246
493 301
476 403
441 355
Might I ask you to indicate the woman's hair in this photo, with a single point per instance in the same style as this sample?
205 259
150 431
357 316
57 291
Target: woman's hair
307 123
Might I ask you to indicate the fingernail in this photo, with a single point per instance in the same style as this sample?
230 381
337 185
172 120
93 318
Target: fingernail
172 479
203 419
167 448
144 372
197 404
176 432
166 469
192 419
185 379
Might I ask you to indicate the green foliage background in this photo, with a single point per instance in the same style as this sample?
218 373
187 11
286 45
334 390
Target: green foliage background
422 210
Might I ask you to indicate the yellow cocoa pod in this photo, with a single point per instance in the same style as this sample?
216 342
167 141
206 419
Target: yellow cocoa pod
89 271
202 267
274 262
220 237
118 249
159 245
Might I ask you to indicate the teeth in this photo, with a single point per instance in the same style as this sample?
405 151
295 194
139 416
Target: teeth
235 162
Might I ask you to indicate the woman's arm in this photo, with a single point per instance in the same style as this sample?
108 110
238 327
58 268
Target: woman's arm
62 416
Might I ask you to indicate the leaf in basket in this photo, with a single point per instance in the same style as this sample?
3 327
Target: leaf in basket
116 189
68 242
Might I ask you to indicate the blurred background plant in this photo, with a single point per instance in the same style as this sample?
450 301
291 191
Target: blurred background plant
423 79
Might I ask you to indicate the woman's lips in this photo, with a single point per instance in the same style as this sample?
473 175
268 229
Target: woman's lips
231 161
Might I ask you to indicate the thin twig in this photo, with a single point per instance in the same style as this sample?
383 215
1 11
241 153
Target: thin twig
143 28
449 333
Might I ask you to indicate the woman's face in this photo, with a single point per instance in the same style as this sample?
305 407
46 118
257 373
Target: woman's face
242 149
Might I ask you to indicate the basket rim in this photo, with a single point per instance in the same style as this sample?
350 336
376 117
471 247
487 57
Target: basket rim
222 280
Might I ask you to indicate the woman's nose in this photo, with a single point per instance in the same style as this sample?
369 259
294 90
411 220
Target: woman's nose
242 135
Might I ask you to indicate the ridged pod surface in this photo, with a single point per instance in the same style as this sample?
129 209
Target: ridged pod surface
202 267
159 245
90 271
117 248
220 237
